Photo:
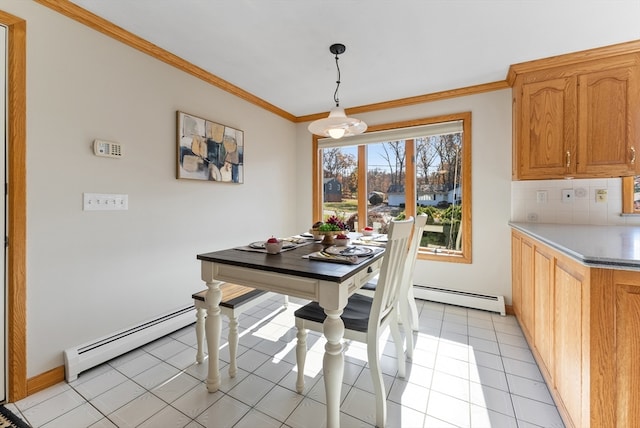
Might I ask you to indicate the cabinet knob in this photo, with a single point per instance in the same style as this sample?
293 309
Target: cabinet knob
633 155
568 158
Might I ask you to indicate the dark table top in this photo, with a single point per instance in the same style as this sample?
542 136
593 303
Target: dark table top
290 262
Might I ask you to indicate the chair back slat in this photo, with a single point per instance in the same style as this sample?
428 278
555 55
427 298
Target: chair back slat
412 254
391 272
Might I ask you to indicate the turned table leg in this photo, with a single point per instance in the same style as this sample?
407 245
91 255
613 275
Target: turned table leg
333 365
213 331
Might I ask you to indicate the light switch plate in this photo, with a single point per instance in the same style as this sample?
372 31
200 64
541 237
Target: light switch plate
104 202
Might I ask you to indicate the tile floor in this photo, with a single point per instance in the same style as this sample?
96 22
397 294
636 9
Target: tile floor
470 369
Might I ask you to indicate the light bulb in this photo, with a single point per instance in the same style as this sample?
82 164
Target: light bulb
336 133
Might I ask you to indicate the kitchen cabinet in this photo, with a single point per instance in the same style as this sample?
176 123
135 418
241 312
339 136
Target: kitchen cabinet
582 324
577 120
522 288
568 359
627 347
543 301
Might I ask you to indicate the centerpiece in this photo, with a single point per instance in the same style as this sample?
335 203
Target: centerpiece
329 229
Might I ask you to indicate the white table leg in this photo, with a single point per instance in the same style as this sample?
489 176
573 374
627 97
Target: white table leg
333 365
213 331
200 317
233 345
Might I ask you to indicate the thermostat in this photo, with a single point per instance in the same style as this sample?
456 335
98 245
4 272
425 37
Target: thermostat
107 148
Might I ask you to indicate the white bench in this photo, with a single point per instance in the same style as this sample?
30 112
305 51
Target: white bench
235 300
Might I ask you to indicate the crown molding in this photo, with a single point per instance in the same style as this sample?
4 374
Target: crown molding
572 58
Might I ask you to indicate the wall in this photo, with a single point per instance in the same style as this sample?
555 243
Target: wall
490 271
585 208
93 273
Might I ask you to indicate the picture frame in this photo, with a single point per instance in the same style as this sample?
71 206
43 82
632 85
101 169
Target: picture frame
208 150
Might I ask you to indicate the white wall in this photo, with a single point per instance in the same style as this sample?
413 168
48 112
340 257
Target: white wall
93 273
490 271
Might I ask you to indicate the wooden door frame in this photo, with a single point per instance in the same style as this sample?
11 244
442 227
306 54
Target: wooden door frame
16 363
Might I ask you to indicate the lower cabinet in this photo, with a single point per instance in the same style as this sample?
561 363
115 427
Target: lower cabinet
627 345
583 326
570 284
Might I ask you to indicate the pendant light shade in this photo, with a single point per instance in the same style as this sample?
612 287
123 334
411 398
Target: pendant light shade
337 125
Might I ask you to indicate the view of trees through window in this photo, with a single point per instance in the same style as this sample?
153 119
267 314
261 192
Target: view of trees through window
431 182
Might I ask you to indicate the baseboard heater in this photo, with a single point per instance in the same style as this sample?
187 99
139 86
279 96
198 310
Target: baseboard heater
88 355
461 298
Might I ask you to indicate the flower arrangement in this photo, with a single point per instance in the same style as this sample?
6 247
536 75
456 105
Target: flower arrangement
334 223
332 226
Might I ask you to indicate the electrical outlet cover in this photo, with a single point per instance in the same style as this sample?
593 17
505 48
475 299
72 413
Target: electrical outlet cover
601 195
567 196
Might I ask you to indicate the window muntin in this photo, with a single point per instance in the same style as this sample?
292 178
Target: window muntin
388 163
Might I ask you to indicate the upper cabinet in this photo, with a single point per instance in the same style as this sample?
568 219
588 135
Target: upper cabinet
577 115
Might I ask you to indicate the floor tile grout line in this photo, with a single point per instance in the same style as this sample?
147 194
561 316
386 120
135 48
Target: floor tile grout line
182 339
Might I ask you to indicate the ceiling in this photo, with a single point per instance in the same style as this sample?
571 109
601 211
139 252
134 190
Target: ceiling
278 50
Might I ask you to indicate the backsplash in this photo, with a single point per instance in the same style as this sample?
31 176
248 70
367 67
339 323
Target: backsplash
589 201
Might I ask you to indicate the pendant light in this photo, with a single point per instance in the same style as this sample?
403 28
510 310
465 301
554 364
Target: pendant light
337 125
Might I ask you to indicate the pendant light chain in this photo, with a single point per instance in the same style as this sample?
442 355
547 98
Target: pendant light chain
335 94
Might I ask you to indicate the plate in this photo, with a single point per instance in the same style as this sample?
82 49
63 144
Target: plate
260 245
350 251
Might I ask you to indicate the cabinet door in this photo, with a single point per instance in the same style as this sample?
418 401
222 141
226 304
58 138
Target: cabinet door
543 311
607 121
570 284
627 326
526 287
516 275
548 129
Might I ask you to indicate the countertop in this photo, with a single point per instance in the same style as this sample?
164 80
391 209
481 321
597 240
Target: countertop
612 247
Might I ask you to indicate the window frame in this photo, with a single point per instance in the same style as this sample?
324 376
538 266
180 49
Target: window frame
628 191
465 256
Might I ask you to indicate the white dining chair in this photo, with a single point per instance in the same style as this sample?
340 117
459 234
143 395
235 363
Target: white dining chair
366 318
407 301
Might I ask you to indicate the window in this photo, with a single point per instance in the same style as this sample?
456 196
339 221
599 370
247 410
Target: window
631 195
398 170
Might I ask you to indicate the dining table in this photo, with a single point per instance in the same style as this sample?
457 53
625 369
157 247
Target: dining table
294 273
